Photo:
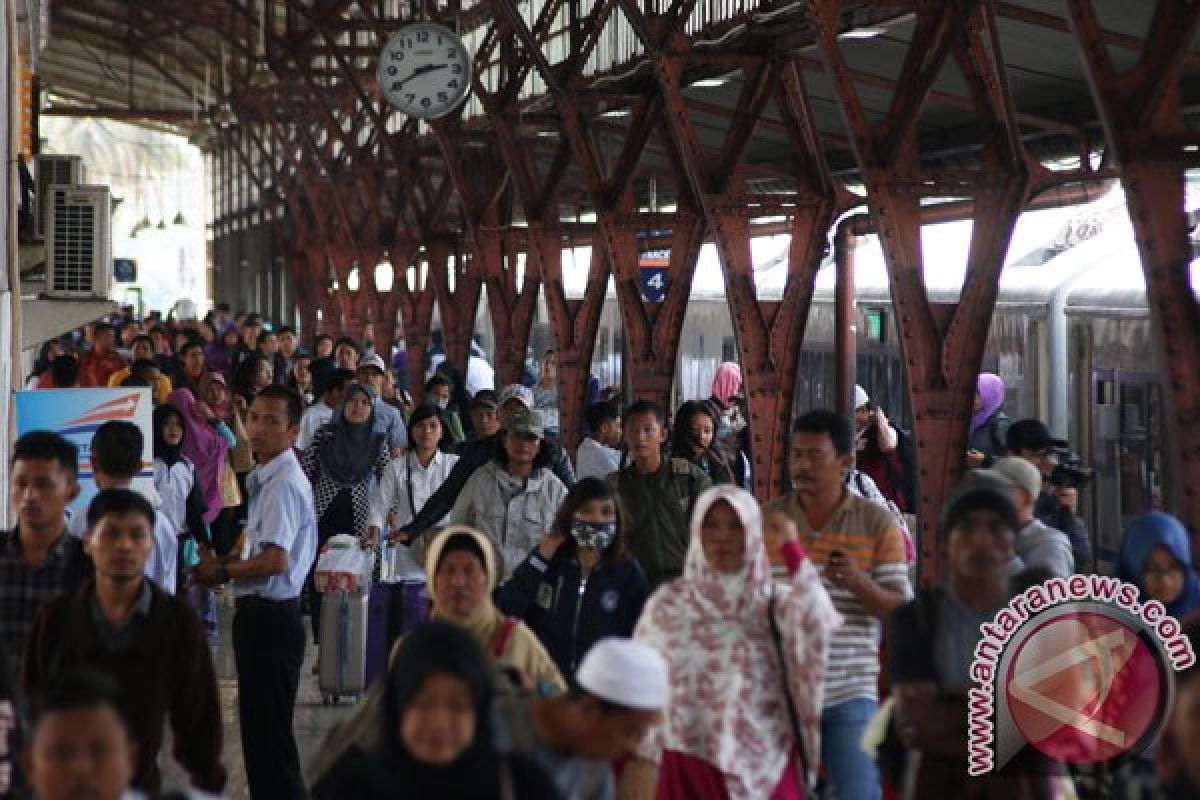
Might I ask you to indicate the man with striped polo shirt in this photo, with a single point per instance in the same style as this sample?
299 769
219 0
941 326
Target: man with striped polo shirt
859 549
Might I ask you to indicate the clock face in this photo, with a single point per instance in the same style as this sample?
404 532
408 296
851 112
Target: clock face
425 70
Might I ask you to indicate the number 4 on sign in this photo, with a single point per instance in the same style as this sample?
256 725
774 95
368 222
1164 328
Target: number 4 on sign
654 284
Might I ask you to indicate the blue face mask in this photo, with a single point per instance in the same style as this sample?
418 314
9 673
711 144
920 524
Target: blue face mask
596 535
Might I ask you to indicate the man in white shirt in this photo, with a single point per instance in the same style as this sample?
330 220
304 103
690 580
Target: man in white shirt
598 456
116 460
268 634
321 412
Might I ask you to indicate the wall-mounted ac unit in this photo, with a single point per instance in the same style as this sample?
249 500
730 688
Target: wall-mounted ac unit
79 242
52 171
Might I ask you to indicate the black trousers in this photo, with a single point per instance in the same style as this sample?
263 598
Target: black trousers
268 647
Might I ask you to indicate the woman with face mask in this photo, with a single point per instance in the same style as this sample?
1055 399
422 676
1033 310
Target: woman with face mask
578 587
433 731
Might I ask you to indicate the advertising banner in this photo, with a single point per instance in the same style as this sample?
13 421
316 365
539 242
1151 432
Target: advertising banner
77 413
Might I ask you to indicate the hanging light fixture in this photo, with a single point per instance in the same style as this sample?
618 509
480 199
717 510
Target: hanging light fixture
262 77
225 116
179 219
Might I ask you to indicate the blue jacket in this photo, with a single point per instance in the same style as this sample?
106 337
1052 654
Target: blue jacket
546 596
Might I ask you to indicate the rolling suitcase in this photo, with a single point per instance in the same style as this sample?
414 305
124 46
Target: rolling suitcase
343 646
395 608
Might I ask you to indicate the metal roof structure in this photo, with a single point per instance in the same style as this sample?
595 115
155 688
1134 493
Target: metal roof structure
637 124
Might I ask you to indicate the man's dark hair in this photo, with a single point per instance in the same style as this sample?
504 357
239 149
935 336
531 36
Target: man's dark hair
840 431
119 501
159 329
47 446
102 327
438 379
117 448
282 329
597 415
79 688
646 407
346 340
191 343
65 371
337 379
142 366
223 308
142 337
135 382
290 397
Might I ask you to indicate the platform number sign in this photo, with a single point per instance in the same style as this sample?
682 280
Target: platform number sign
425 70
654 267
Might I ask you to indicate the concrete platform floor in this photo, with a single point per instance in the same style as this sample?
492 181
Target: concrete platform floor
312 720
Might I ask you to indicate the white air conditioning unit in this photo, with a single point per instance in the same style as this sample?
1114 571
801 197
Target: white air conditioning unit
79 242
52 171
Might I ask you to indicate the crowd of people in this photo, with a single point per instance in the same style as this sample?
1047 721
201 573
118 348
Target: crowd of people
625 619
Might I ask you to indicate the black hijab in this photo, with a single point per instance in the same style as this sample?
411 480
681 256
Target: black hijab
442 648
169 454
349 456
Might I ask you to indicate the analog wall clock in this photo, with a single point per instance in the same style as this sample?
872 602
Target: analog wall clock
425 70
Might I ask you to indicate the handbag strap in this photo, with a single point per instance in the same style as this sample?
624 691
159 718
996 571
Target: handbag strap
793 715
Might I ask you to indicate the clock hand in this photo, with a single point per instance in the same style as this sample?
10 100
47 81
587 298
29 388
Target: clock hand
419 71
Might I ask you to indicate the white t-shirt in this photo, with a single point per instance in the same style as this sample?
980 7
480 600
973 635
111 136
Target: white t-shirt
405 475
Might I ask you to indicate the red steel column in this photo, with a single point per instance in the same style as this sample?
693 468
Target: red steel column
1141 110
942 361
846 356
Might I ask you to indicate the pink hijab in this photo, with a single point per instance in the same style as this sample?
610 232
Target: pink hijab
726 383
726 704
205 448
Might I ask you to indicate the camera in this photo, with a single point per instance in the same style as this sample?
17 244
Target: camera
1069 472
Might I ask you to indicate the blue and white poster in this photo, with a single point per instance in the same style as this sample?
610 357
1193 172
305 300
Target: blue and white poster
77 413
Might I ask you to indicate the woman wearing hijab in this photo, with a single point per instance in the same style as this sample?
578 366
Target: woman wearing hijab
434 731
462 571
175 477
694 440
219 353
206 442
989 425
1156 556
345 463
729 730
733 437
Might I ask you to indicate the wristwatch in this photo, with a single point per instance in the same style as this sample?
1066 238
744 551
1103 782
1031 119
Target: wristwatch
222 574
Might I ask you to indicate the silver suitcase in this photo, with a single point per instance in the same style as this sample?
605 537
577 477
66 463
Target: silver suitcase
343 648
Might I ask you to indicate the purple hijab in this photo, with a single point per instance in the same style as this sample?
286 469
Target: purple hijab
205 447
217 356
991 392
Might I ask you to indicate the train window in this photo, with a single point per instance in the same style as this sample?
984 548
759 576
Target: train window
729 349
876 319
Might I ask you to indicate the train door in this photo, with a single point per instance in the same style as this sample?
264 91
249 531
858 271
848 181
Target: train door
1129 453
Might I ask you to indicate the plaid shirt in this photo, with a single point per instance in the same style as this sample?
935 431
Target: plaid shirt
24 589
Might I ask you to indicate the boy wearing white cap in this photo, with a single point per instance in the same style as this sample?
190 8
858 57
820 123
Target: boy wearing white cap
617 694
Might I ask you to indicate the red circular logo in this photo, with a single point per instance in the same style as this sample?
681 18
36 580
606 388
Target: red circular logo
1085 687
